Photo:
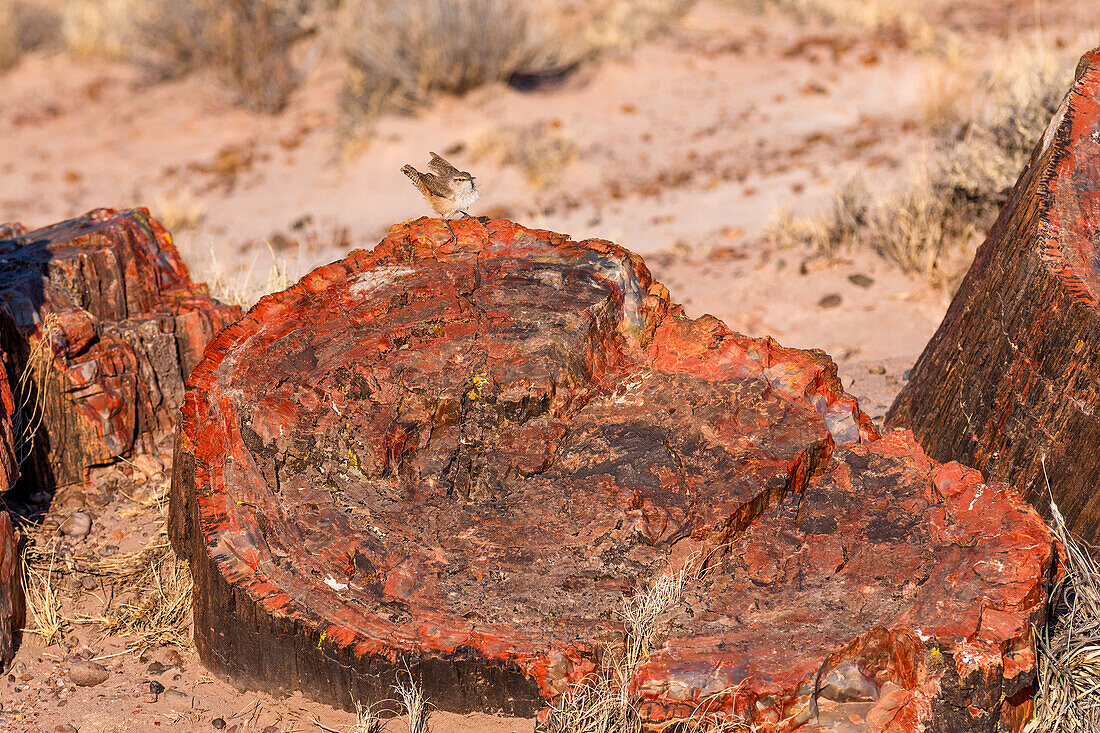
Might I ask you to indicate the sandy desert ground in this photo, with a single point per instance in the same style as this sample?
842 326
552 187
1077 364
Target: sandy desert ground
687 150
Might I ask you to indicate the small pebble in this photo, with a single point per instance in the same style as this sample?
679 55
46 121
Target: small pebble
218 723
861 280
271 729
906 375
155 687
175 698
173 657
65 728
78 525
832 300
156 668
108 550
877 369
88 583
26 676
88 674
149 698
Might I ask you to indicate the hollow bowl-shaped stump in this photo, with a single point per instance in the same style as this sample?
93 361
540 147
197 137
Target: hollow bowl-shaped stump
1009 382
457 454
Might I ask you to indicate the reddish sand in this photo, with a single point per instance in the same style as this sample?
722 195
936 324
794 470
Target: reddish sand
685 150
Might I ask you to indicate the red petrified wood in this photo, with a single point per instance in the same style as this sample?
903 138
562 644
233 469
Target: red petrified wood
1008 384
108 300
11 591
459 453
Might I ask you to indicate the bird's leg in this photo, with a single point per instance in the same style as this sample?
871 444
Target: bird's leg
465 214
447 224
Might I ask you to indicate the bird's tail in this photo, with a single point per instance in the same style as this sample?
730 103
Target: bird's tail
416 177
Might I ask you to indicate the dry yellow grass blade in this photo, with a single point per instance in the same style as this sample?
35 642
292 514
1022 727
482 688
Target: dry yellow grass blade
42 601
1068 646
30 389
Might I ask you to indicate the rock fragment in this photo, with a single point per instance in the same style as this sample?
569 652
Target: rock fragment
87 673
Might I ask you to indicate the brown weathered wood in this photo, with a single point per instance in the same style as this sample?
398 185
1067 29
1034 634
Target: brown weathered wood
460 452
11 591
1010 382
110 303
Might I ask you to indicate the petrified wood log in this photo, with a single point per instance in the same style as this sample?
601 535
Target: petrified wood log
11 591
459 453
1009 381
107 300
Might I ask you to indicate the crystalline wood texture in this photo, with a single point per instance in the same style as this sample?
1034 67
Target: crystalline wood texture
107 304
461 452
1011 380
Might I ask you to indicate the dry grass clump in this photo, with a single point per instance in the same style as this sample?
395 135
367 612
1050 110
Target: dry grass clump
251 44
956 193
603 703
157 610
417 710
401 53
27 25
541 150
897 17
99 27
40 595
366 720
30 389
244 287
146 594
1069 646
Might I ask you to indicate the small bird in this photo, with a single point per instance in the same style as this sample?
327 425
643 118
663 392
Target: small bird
447 189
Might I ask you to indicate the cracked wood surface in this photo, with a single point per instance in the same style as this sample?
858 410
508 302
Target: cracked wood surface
109 300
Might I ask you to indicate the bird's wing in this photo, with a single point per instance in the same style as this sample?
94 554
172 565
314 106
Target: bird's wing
441 166
428 183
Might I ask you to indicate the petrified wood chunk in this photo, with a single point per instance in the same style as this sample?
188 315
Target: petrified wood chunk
1009 381
459 453
107 299
892 588
11 591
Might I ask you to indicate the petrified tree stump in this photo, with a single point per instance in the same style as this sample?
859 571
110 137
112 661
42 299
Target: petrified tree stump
11 591
1009 381
460 453
107 303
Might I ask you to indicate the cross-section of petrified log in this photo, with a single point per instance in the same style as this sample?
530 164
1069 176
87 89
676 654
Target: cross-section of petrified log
1009 381
460 452
104 310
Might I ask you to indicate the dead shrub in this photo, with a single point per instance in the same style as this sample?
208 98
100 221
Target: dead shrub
401 52
897 18
954 196
251 44
26 25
